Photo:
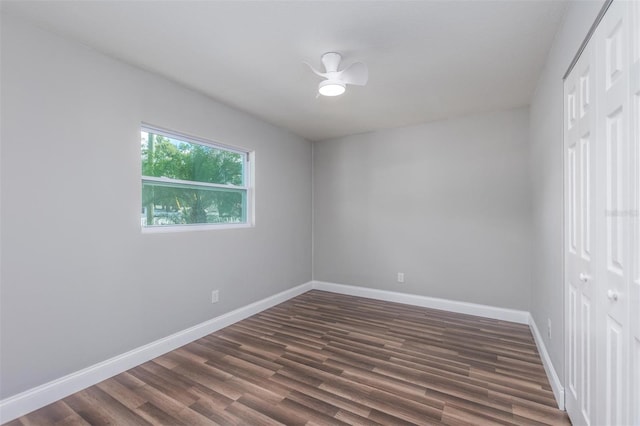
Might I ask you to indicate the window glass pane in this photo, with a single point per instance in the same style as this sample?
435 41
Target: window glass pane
172 158
176 204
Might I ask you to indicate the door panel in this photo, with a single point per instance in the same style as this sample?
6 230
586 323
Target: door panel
573 198
586 360
585 196
613 200
574 363
613 368
579 208
615 190
634 299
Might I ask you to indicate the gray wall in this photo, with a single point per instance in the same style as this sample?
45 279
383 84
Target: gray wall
546 158
80 283
447 203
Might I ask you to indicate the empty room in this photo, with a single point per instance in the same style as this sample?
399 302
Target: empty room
315 212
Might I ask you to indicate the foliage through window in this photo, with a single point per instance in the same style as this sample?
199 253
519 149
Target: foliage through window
191 182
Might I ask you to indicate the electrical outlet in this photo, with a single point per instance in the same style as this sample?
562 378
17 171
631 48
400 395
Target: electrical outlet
215 296
549 328
400 277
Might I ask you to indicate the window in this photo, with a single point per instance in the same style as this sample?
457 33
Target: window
188 182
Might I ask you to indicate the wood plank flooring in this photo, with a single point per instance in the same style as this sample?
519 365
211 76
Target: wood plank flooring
329 359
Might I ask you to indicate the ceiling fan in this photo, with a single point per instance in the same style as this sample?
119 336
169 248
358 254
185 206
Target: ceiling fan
336 80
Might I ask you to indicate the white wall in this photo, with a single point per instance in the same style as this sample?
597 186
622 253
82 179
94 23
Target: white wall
447 203
80 283
546 156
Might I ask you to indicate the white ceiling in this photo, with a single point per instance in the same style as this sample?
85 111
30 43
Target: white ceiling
428 60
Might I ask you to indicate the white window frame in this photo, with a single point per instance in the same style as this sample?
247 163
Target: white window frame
247 186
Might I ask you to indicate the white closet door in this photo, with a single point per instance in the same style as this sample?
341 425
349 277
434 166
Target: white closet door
580 271
634 299
613 199
602 224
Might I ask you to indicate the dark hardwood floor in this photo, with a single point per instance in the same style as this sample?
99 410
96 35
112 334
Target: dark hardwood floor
328 359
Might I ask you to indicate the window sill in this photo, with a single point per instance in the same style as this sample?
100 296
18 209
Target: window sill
189 228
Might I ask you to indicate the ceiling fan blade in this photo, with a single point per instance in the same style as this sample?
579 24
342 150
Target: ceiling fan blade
315 71
356 73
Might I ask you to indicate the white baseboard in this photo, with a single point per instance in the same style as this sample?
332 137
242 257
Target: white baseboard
32 399
513 315
554 380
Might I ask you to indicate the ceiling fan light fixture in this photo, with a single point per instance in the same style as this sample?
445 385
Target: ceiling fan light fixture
331 88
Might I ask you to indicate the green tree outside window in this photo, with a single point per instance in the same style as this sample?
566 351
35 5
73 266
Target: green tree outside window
189 183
